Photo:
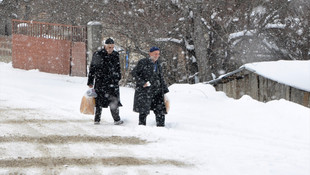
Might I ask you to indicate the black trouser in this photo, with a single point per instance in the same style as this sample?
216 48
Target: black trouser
114 113
113 108
160 119
155 104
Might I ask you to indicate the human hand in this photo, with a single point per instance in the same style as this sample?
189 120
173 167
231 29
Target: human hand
90 86
147 84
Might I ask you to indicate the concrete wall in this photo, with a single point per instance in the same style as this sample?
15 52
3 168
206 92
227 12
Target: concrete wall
260 88
5 48
94 39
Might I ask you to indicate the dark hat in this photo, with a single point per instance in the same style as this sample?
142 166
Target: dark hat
109 41
154 49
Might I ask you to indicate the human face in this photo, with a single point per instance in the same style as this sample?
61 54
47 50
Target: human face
109 48
154 55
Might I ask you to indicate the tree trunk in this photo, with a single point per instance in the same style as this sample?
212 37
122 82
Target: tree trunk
201 46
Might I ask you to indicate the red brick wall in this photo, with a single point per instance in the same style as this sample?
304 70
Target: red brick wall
47 55
49 47
78 62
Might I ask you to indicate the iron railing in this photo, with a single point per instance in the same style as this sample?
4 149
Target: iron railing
50 30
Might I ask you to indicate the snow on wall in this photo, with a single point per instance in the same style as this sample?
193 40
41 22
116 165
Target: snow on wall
292 73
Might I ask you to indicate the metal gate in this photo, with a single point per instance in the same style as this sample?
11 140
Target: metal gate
52 48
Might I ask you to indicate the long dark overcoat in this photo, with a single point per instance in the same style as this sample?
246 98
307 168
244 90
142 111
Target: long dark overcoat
144 98
105 70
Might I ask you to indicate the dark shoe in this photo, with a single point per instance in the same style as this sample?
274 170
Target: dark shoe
142 123
142 119
118 122
97 115
160 120
97 120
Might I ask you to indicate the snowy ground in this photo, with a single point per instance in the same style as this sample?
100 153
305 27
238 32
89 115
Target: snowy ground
42 132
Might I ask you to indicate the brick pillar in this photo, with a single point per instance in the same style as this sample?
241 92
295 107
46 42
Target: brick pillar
94 38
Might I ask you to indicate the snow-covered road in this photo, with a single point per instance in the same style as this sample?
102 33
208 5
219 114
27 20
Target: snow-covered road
42 132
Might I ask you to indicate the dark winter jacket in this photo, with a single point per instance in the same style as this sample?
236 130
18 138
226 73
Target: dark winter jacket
105 70
152 97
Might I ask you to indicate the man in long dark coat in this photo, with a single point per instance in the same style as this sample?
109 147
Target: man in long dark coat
150 88
105 70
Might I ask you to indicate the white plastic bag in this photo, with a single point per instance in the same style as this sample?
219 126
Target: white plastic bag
91 93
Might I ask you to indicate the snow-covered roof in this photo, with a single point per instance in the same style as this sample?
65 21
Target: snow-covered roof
292 73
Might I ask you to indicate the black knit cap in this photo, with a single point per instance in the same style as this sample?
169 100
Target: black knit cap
109 41
152 49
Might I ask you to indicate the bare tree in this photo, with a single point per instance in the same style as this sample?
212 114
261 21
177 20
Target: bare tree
198 38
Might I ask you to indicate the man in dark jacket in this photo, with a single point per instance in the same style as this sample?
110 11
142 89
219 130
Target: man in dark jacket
105 70
150 88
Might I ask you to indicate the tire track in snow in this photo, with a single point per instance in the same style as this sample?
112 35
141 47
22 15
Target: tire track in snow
57 139
35 122
108 161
